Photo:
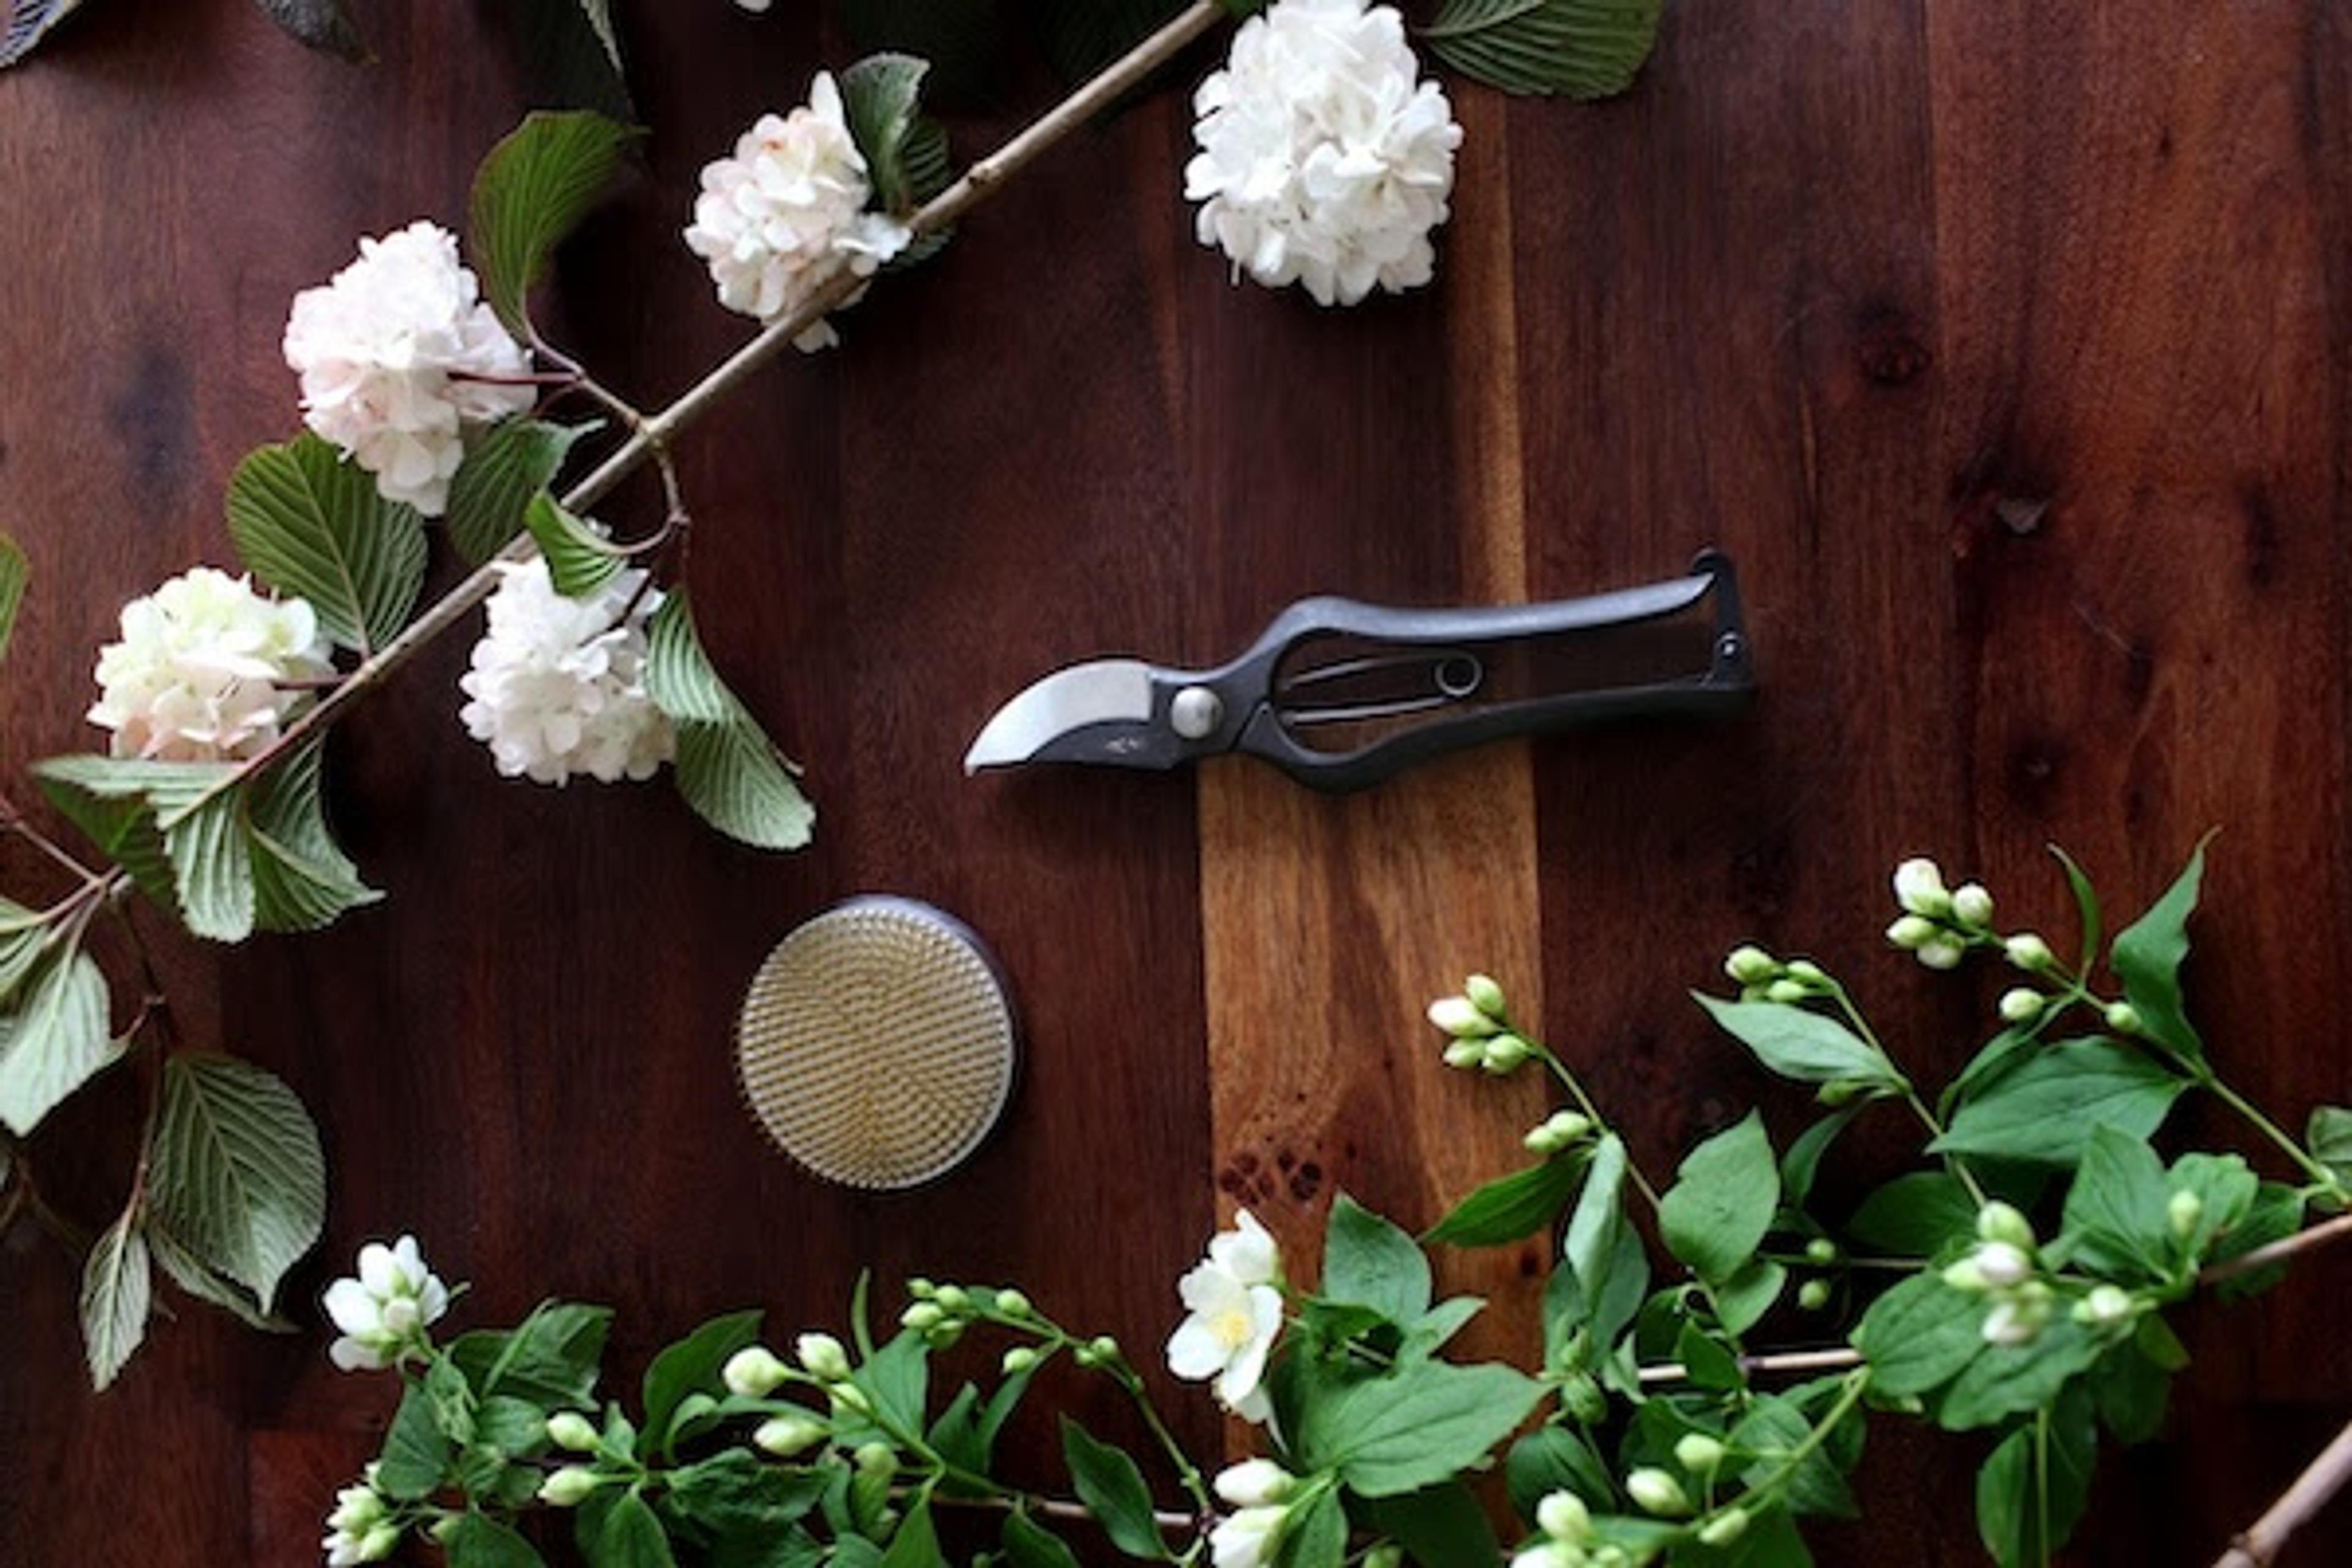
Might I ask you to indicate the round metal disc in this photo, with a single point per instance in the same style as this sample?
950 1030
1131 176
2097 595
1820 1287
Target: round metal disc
877 1045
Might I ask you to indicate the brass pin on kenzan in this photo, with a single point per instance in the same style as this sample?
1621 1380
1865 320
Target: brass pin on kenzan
877 1045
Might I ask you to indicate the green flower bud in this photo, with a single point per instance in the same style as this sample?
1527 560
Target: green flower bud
442 1529
380 1542
1806 970
1839 1091
1019 1359
922 1289
1465 1054
1820 1250
2123 1019
1813 1295
943 1336
876 1459
1558 1131
1697 1452
1012 1303
753 1372
1656 1491
570 1429
2105 1307
2183 1213
568 1487
1563 1516
849 1399
1998 1221
1460 1018
823 1356
1751 965
1971 905
2029 952
1487 996
1387 1554
1964 1275
1785 992
922 1316
1106 1348
1506 1053
1724 1528
1911 933
785 1436
2021 1004
1581 1397
953 1299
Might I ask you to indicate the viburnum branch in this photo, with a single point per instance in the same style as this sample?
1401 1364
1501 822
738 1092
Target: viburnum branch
2312 1490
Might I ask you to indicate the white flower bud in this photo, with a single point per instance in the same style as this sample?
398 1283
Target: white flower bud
1911 933
1563 1516
1751 965
2001 1265
2123 1019
1998 1221
1724 1527
1697 1452
1919 888
1253 1483
2105 1307
2029 952
356 1510
568 1487
2011 1324
2184 1212
1487 996
379 1542
2021 1004
1459 1017
823 1356
1941 953
570 1429
1787 991
1656 1491
1465 1054
753 1372
1971 905
785 1436
1506 1053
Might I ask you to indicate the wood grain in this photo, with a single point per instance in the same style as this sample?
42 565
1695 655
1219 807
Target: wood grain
2008 348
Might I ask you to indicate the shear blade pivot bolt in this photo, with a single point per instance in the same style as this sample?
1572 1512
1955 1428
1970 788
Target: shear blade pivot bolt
1195 712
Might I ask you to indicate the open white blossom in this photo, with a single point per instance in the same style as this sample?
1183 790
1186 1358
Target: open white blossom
1234 1313
558 685
385 352
198 676
1323 160
385 1310
770 218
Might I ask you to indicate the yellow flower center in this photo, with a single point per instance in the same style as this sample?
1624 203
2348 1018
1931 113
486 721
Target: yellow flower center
1231 1328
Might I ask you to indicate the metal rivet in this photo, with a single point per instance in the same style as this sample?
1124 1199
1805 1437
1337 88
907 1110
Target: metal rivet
1195 712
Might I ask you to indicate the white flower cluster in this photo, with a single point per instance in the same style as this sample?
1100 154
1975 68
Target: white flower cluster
771 219
361 1528
388 352
1260 1491
1324 160
384 1312
558 685
197 676
1478 1029
1233 1311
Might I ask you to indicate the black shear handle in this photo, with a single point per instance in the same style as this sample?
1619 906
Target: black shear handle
1728 680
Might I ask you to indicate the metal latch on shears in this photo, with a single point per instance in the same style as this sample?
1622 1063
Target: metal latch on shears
1340 695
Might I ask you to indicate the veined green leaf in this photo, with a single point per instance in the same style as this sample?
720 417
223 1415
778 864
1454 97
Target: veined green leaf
208 1284
113 800
57 1041
1509 1207
881 96
1775 1424
580 561
2008 1379
1584 49
727 768
311 523
24 935
1108 1482
1416 1427
2115 1207
1552 1458
914 1544
1915 1215
1725 1193
2148 955
478 1540
1369 1262
209 863
416 1455
964 40
690 1366
504 468
2086 904
1029 1545
14 575
302 878
551 1358
325 26
625 1534
2040 1473
236 1171
2328 1136
1919 1335
2043 1111
531 190
1803 1045
116 1291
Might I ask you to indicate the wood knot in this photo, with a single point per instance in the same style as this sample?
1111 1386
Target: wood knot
1888 353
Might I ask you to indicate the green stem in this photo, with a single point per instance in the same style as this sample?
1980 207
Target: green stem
2319 1174
1601 1123
1848 1398
1187 1471
1927 1117
2041 1485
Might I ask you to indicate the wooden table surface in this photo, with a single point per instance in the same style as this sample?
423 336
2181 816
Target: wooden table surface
2008 347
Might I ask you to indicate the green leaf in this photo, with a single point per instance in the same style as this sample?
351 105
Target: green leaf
881 96
2226 1187
1803 1160
1369 1262
208 1284
897 1378
303 880
1599 1218
1706 1362
211 867
2116 1218
1029 1545
727 768
733 1495
2328 1137
481 1542
916 1542
629 1535
121 826
14 573
325 26
24 935
1418 1426
56 1041
2007 1378
692 1366
1919 1335
1773 1428
1108 1483
504 468
2275 1214
2087 903
1915 1215
1726 1191
1315 1535
416 1455
1804 1046
515 1427
580 561
2040 1473
1426 1334
2130 1387
551 1358
1553 1457
116 1294
1743 1300
1438 1527
1512 1206
1584 49
2148 955
311 523
531 192
2044 1113
236 1169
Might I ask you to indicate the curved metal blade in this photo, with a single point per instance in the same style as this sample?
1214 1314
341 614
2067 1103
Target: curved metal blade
1103 691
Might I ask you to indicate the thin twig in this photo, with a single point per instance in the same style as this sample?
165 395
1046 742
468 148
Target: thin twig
2278 1251
2260 1542
1838 1360
1059 1507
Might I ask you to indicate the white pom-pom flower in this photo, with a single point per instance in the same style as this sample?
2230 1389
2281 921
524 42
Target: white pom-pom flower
1323 159
200 675
386 1308
389 354
771 219
558 685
